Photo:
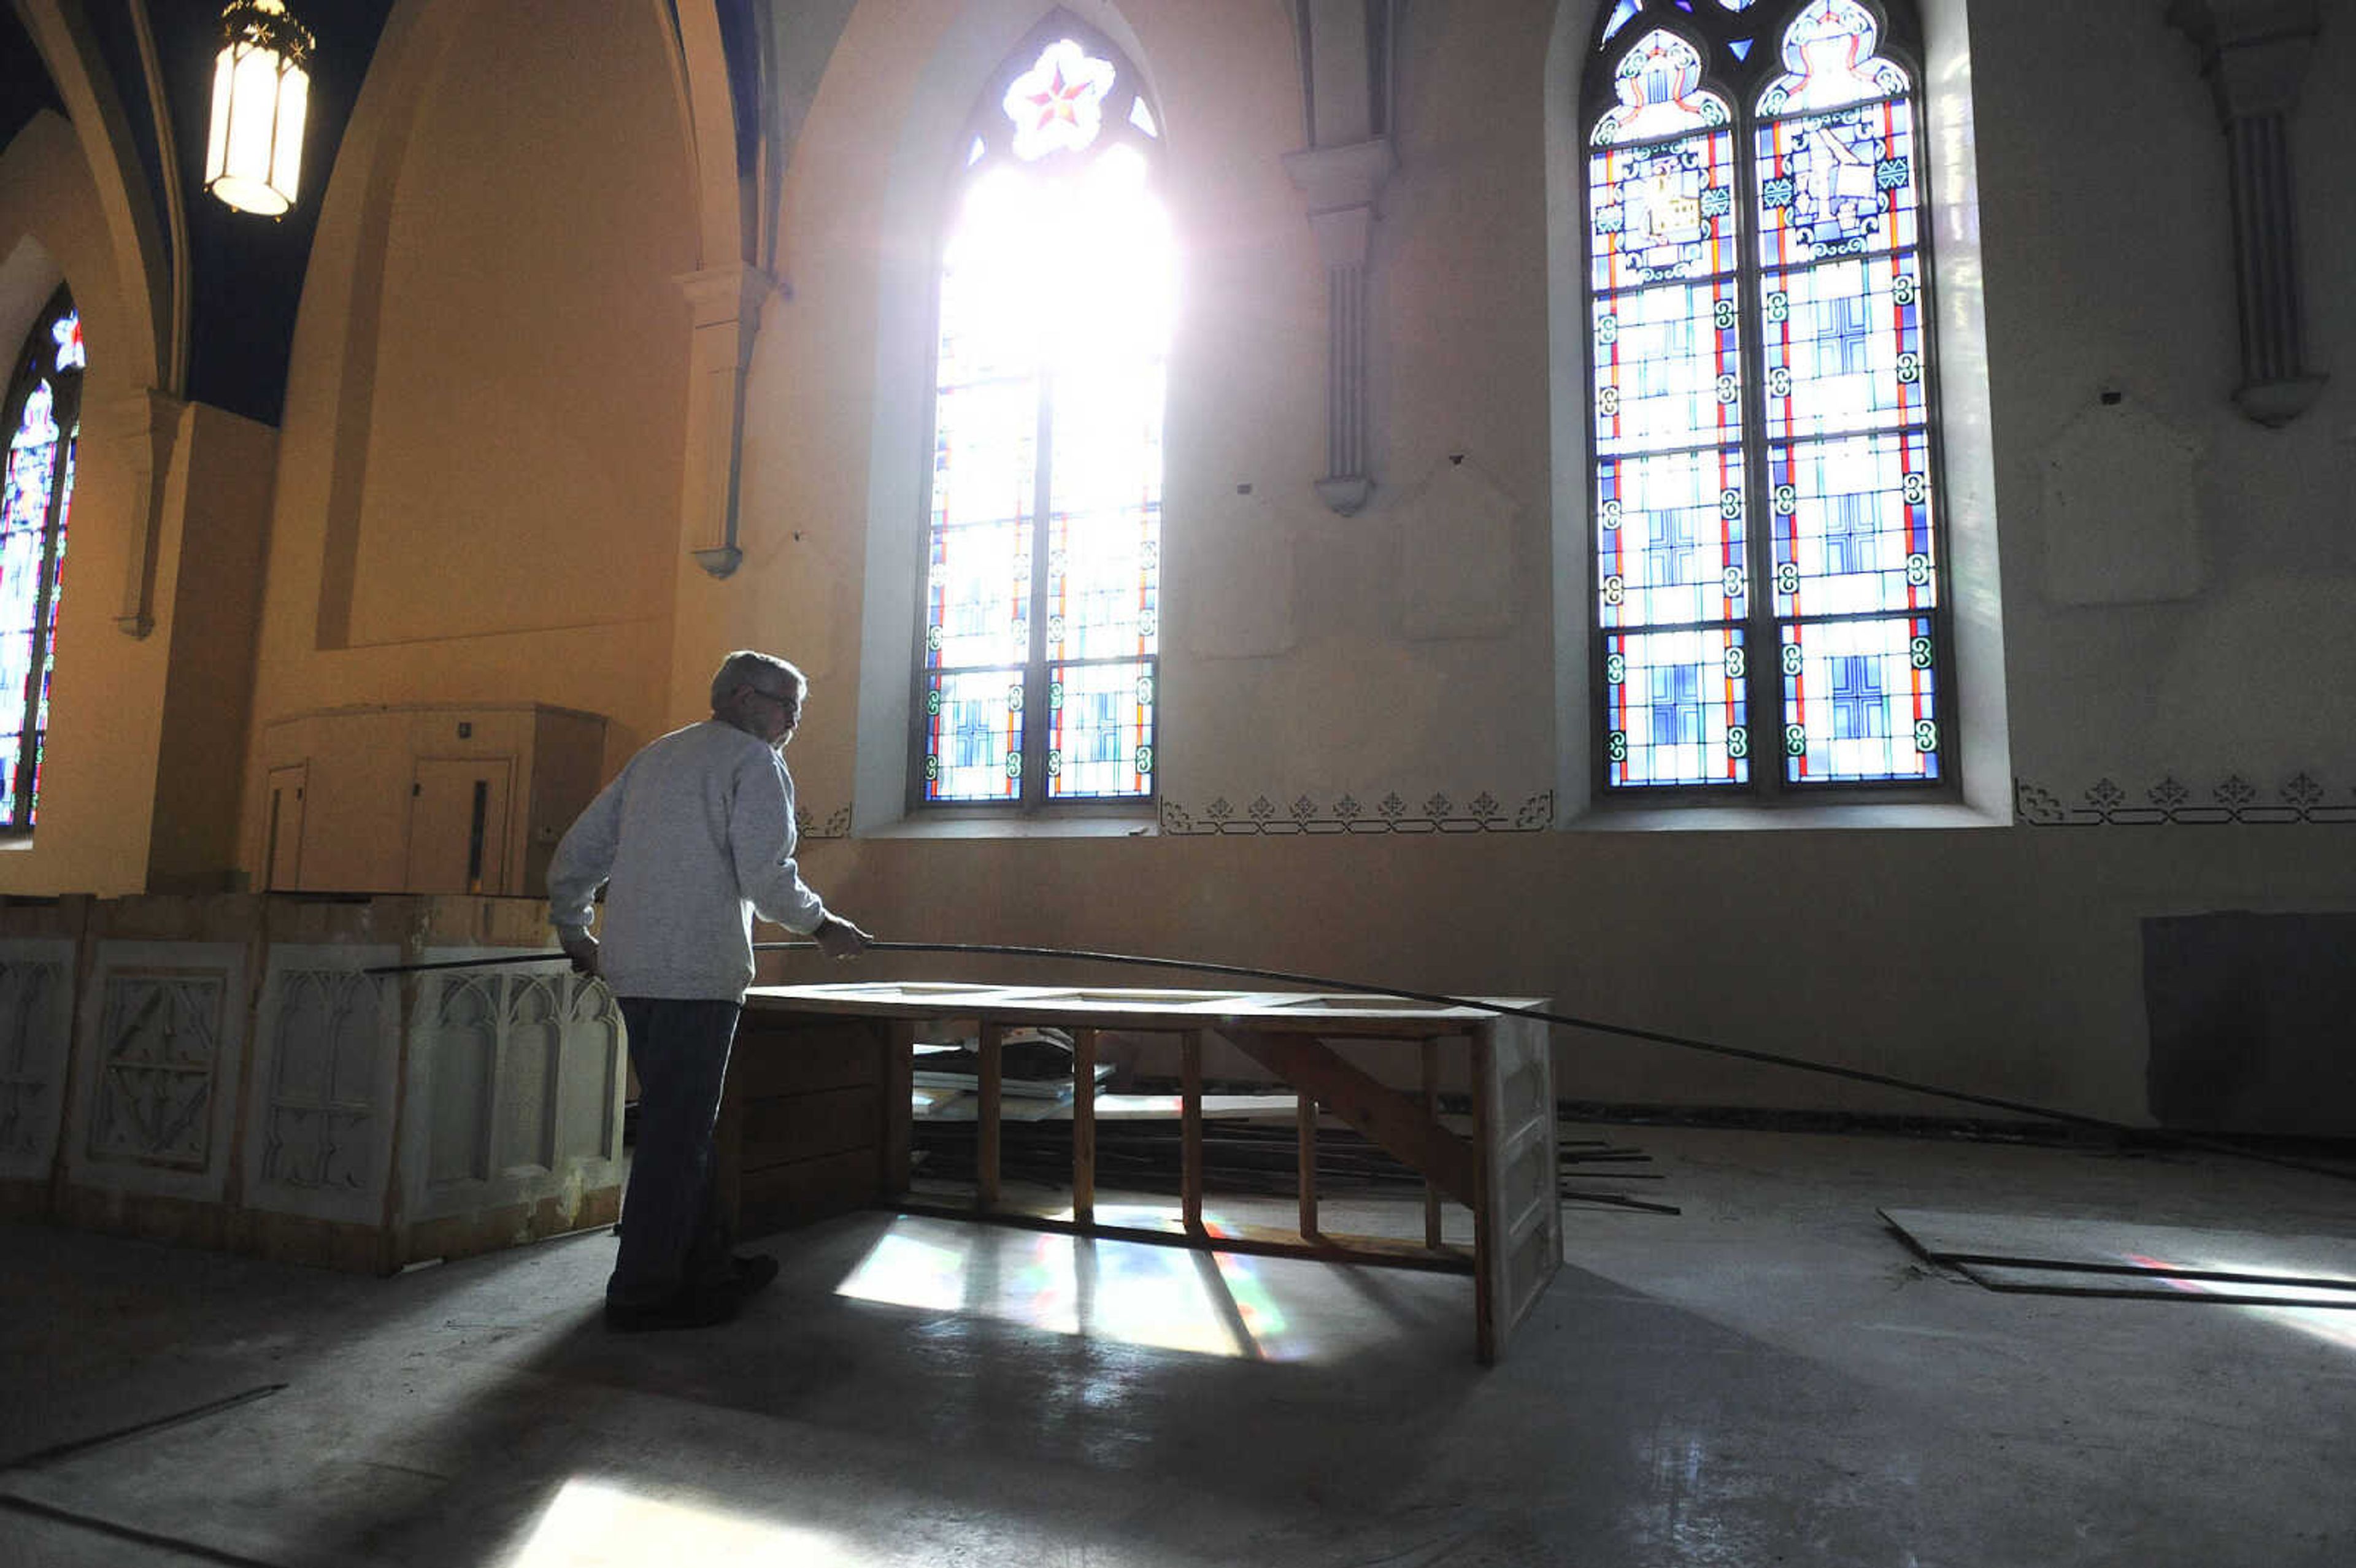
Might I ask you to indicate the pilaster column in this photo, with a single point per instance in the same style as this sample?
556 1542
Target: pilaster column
1345 69
2255 54
726 304
141 432
1342 184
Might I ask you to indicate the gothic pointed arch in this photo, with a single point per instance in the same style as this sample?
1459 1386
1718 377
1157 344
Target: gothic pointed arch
1769 612
134 229
42 421
1039 639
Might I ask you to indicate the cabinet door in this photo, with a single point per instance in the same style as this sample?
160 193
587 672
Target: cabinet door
282 852
458 826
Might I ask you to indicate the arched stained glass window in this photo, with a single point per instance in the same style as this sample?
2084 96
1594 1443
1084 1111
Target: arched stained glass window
1768 610
43 418
1036 683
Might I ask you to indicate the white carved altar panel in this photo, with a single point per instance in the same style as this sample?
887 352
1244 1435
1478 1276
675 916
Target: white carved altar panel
36 1038
157 1068
518 1074
325 1073
1521 1178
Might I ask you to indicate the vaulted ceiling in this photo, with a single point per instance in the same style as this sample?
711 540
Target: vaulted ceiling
25 86
245 274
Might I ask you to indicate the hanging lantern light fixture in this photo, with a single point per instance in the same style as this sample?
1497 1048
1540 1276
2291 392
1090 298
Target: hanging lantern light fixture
262 84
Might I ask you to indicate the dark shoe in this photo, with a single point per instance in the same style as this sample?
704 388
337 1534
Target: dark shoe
751 1272
699 1309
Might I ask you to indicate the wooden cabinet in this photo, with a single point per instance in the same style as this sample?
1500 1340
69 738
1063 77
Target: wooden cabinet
420 799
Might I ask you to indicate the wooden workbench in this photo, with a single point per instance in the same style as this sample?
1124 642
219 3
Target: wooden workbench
817 1115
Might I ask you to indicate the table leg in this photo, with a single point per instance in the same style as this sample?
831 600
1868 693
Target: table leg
897 1040
1305 1118
1189 1181
1485 1220
1430 1049
1084 1126
986 1115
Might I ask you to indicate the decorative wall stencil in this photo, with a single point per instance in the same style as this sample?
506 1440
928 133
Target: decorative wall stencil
327 1052
1392 814
837 825
1458 547
2122 519
518 1074
35 1035
2234 799
158 1065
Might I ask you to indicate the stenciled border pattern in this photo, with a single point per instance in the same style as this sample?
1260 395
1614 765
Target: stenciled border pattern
1440 814
2171 803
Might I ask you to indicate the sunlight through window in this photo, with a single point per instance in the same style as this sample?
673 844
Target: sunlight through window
1058 287
600 1524
2332 1320
1212 1304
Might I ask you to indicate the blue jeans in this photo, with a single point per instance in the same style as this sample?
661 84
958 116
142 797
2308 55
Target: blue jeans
673 1238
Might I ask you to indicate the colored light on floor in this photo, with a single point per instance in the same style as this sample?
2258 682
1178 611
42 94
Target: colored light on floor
1214 1304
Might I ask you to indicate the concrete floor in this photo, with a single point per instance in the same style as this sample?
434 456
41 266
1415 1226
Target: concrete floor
1770 1377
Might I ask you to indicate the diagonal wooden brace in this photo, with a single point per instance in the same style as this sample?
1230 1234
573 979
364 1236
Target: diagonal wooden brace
1393 1120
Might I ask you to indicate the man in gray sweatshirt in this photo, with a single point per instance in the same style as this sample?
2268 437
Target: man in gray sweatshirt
693 839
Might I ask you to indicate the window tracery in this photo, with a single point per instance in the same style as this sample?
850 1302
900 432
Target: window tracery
1768 609
1040 661
43 417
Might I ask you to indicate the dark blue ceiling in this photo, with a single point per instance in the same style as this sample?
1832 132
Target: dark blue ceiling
25 86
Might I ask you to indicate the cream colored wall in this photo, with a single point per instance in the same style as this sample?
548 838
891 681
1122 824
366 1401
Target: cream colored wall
98 782
2005 961
526 426
2110 268
478 480
2001 963
1304 656
218 508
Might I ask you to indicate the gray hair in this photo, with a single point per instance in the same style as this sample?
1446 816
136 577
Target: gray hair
745 667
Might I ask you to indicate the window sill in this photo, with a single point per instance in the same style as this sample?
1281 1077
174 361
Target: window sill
1813 817
1126 826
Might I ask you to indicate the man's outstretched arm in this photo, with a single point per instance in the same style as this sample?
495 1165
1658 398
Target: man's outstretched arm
584 860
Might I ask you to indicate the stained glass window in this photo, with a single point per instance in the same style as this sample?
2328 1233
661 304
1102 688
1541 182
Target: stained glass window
1768 568
43 418
1040 665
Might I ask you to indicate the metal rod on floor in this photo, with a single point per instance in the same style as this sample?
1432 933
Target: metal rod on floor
173 1545
1503 1009
139 1429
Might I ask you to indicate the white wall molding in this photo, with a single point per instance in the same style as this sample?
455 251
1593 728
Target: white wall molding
1345 69
2256 55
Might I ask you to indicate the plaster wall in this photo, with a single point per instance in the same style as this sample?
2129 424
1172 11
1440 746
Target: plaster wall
447 496
219 505
98 781
479 470
528 382
2005 959
1998 962
2107 228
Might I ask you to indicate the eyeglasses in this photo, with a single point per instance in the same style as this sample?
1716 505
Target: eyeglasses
791 706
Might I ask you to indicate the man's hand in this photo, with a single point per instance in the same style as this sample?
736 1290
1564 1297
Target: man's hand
582 948
838 938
